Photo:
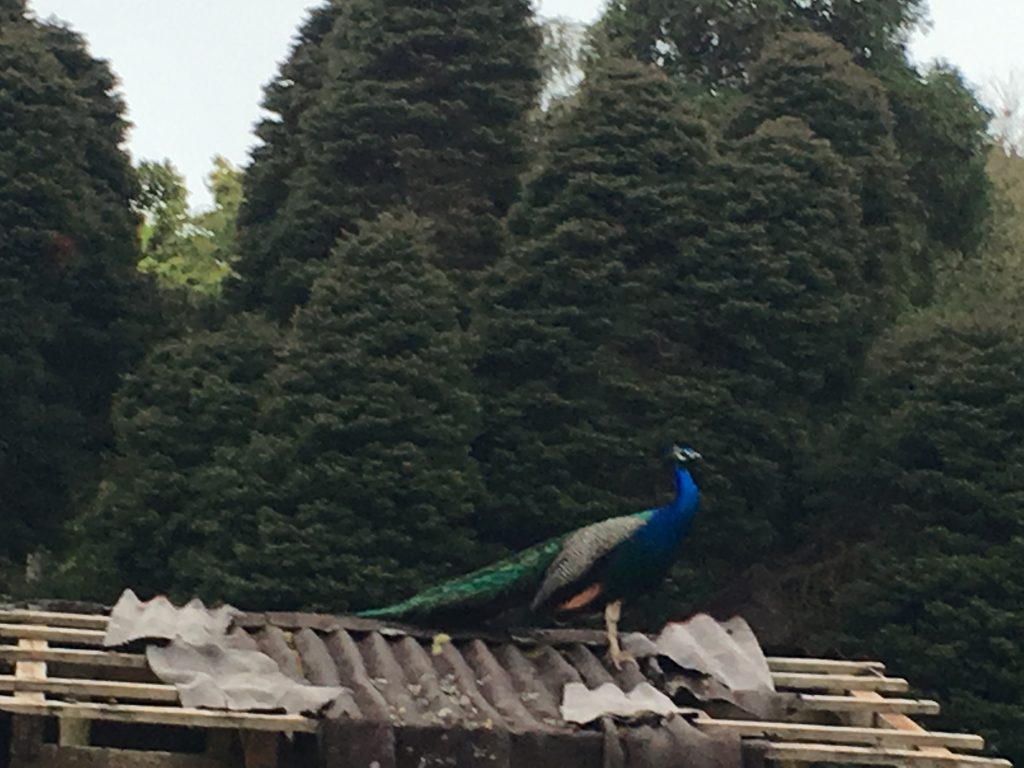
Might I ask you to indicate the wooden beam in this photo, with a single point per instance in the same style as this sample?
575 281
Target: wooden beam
101 689
807 681
74 732
836 734
78 657
898 722
830 753
157 715
52 634
27 672
55 756
823 666
842 704
49 618
261 749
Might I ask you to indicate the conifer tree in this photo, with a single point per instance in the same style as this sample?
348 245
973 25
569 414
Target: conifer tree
324 465
930 491
714 42
71 313
811 77
422 106
605 217
179 418
264 232
362 460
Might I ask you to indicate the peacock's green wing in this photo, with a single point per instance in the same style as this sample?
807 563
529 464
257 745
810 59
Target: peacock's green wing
489 590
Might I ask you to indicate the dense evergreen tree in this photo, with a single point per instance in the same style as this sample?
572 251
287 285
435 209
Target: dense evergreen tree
809 76
265 233
72 301
369 425
938 126
714 42
930 488
608 209
178 417
778 319
326 465
941 132
422 106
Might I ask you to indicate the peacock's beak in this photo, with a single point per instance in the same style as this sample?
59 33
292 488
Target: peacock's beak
685 454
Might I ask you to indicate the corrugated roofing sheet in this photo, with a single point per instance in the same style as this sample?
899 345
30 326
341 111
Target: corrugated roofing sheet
474 700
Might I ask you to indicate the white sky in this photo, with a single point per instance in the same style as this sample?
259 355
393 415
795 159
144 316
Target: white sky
192 70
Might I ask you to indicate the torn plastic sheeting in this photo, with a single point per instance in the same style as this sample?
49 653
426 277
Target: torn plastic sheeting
159 619
726 657
581 705
209 665
221 677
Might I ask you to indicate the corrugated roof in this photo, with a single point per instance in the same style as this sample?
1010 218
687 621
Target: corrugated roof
411 699
486 699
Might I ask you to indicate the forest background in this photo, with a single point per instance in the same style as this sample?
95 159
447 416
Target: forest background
458 302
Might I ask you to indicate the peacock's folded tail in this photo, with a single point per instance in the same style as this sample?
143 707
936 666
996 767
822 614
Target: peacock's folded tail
484 593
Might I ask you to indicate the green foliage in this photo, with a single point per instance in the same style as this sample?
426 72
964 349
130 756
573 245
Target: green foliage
604 210
265 233
941 131
72 304
714 42
189 406
370 419
194 251
326 465
932 482
425 107
809 76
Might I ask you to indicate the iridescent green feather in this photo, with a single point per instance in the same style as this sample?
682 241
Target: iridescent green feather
506 584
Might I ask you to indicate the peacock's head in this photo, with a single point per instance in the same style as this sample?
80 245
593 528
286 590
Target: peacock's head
684 454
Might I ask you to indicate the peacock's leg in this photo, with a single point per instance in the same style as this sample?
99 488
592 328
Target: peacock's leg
612 614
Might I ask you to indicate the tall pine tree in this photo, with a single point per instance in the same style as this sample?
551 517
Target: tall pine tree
930 495
420 106
811 77
72 300
608 213
180 418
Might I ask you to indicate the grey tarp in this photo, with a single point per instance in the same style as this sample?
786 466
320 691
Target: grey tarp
714 661
194 649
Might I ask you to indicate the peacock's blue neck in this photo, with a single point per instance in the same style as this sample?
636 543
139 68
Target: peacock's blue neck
670 523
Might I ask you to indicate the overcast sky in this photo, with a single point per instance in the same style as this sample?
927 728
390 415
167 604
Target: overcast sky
192 70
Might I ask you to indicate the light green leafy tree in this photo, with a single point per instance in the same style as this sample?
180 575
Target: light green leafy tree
195 251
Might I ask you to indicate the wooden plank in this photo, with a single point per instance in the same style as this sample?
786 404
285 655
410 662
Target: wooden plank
157 715
74 732
55 756
897 722
261 749
810 702
52 634
836 734
807 681
73 656
51 619
103 689
30 671
831 753
824 666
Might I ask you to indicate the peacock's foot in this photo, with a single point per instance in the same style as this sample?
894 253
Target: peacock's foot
620 657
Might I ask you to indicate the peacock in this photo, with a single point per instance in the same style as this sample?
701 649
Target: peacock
598 566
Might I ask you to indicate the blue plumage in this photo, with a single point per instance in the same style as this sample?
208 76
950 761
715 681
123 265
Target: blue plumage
598 566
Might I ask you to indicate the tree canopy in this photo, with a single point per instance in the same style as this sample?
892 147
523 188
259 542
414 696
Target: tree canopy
72 309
